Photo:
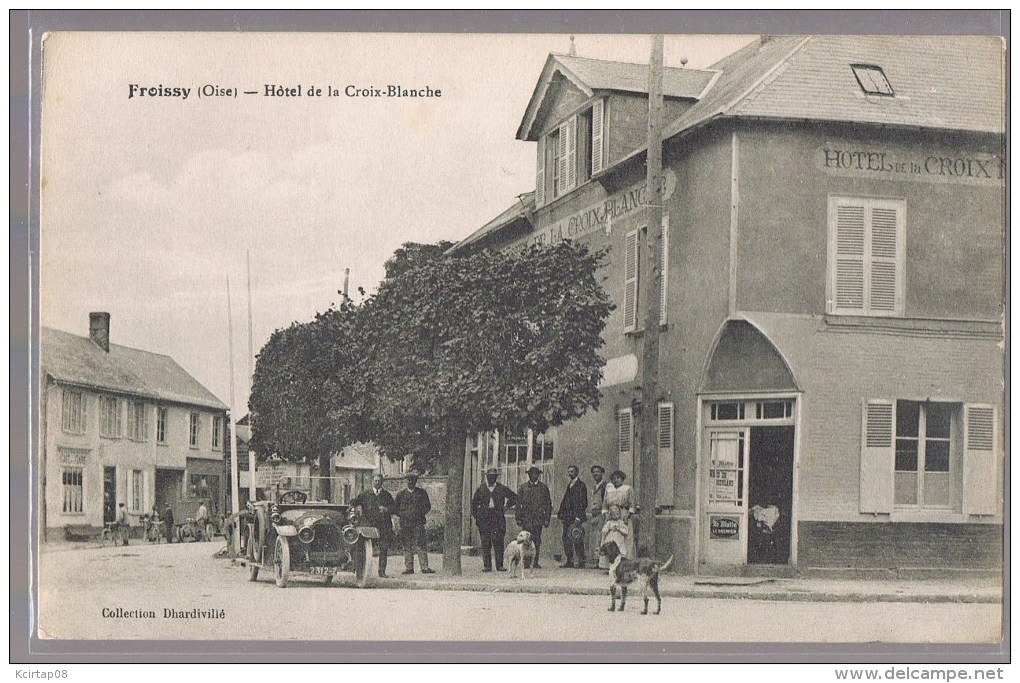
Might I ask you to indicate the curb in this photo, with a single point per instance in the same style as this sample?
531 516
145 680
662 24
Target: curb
791 595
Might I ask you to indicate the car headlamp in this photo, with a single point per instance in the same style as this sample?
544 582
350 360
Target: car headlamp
306 534
350 535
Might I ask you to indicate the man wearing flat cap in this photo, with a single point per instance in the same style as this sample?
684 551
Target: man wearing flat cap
534 509
412 505
488 506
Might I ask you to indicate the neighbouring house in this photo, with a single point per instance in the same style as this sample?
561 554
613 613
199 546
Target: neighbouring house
122 425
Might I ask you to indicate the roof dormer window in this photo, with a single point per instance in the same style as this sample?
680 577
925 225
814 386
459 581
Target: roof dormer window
872 79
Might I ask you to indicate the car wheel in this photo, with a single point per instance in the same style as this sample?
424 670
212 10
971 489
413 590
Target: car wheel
365 564
282 562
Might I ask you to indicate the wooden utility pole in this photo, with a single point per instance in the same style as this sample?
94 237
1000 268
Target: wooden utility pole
647 464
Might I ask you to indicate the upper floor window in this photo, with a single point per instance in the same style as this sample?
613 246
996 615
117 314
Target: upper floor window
217 431
571 154
193 423
872 79
73 411
866 256
162 416
138 421
633 318
110 421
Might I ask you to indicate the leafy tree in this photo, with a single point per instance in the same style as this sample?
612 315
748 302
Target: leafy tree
308 396
458 345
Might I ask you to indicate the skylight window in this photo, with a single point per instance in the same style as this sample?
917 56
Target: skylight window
872 79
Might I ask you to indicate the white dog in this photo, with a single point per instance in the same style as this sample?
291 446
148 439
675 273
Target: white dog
519 553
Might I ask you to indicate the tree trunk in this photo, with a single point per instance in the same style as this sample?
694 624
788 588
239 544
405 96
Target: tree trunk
454 504
325 465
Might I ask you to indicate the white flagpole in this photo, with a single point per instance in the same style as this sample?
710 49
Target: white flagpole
251 378
235 502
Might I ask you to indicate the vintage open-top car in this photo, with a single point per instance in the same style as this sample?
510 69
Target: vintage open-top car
294 535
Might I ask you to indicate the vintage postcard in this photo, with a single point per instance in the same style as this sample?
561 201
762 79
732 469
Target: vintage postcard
461 338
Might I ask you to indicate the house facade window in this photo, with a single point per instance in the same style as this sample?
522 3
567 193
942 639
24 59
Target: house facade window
137 491
193 423
632 318
73 415
929 456
866 256
571 154
924 454
217 431
73 487
110 422
138 421
162 417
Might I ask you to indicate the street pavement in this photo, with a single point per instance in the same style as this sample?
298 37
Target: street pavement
82 587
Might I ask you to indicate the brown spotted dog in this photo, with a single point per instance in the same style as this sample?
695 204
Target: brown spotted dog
642 574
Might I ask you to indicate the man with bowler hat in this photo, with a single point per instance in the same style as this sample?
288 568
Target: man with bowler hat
534 509
412 505
488 506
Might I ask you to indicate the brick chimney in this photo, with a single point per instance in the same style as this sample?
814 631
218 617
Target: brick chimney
99 330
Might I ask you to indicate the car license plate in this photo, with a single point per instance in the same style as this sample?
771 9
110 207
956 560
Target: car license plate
323 571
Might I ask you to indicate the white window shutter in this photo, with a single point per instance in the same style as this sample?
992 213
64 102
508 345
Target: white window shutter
883 289
564 142
878 457
664 493
540 174
848 262
664 271
980 461
597 135
631 265
572 153
625 441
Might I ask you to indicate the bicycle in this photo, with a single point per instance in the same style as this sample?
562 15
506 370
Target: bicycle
152 529
191 530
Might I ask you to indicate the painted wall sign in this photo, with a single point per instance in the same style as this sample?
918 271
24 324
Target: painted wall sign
73 456
598 216
932 167
725 528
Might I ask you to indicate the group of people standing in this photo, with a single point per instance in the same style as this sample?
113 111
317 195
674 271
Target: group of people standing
587 522
585 526
410 505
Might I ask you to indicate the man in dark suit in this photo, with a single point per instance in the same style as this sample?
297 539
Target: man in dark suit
573 512
377 507
534 509
412 504
488 507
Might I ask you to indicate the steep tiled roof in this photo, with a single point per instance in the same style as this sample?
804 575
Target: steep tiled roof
598 74
78 360
591 75
940 82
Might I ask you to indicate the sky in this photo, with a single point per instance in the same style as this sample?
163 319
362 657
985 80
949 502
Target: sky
149 204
